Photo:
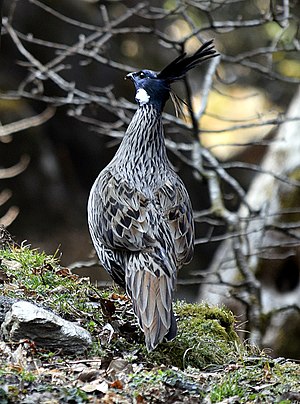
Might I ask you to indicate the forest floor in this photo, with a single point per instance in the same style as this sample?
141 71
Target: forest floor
206 363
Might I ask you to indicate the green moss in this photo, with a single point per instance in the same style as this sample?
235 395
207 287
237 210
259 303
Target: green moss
205 336
218 320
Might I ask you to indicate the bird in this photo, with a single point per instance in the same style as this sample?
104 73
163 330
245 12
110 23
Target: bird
139 212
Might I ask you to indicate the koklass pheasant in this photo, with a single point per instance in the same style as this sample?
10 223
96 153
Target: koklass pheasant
139 212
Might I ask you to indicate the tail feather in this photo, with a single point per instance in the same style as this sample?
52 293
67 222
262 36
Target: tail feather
152 301
172 330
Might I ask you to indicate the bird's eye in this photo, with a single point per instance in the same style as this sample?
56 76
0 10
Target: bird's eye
142 75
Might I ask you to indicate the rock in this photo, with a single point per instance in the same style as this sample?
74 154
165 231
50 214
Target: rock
27 321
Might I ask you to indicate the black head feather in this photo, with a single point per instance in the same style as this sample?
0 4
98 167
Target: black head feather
177 69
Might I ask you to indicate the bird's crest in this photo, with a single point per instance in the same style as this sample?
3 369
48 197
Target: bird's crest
177 69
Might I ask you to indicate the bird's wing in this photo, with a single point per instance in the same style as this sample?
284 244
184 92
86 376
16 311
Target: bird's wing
174 203
121 215
124 218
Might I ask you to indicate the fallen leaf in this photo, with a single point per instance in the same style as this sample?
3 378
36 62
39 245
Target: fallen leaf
108 307
112 398
88 375
66 272
118 369
95 385
117 384
117 365
3 276
139 399
116 296
106 334
79 367
18 357
11 264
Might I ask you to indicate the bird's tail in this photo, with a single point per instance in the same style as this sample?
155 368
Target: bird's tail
151 288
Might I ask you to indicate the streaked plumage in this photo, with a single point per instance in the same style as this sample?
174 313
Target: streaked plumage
139 212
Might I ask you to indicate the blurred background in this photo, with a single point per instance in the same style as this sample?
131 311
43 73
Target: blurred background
64 106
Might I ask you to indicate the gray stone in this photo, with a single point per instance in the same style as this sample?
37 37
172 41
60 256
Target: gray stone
27 321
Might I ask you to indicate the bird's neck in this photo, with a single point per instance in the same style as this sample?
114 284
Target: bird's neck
142 156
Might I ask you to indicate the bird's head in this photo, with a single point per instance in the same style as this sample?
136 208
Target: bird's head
154 88
149 88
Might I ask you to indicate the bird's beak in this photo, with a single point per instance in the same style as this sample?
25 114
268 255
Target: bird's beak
129 76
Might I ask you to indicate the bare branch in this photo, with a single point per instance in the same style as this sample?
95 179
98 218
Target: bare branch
27 123
207 86
16 169
9 216
5 195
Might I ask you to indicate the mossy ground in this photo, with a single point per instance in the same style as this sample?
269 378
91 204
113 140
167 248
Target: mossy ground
206 361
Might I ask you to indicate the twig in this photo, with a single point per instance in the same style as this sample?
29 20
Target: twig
207 85
27 123
16 169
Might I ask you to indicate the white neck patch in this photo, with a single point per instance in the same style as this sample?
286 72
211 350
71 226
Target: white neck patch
142 96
